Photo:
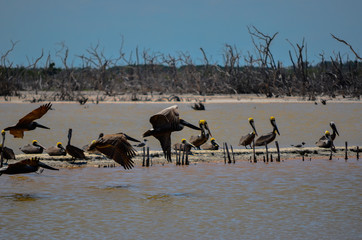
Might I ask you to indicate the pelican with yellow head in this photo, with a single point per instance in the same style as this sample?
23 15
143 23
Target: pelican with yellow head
203 137
269 137
34 148
213 145
326 142
248 138
57 150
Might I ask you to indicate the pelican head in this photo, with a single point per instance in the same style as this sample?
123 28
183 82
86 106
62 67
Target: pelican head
251 121
60 145
34 142
204 123
272 121
184 141
3 132
327 133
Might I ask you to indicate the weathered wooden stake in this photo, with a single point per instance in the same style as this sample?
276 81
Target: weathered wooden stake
357 152
264 158
254 155
303 157
144 157
271 157
267 154
148 157
232 152
330 156
223 144
187 156
277 145
228 153
346 149
183 156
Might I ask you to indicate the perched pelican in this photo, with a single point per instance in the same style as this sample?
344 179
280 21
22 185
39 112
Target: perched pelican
183 145
163 124
326 142
334 133
248 139
27 123
116 147
25 166
32 148
5 152
57 150
203 137
73 151
213 145
269 137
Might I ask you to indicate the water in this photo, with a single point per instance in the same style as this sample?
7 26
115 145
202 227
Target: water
297 122
320 199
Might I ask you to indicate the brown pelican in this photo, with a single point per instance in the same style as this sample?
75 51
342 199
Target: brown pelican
57 150
163 124
73 151
203 137
184 145
326 142
116 147
198 106
32 148
334 133
248 139
27 123
269 137
213 145
25 166
85 147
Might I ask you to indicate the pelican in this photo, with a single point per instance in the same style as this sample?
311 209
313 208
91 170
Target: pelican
32 148
116 147
298 145
248 139
213 145
73 151
163 124
25 166
57 150
203 137
269 137
85 147
326 142
198 106
184 145
334 133
27 123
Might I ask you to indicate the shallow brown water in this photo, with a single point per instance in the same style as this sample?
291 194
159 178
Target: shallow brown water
316 199
297 122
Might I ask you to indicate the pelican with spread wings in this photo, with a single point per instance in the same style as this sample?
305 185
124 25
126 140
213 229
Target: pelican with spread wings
27 123
163 124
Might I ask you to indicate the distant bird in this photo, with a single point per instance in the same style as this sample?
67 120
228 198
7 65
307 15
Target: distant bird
184 145
248 139
203 137
327 142
334 133
116 147
74 151
5 152
198 106
213 145
57 150
163 124
323 101
27 123
298 145
142 144
268 138
32 148
25 166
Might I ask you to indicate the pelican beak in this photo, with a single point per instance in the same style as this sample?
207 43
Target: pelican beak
130 138
208 130
276 127
335 129
190 144
43 165
184 123
39 145
253 126
41 126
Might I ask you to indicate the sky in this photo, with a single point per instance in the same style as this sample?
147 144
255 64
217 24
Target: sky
174 27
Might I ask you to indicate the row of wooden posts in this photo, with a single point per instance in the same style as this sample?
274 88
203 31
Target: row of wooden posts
182 155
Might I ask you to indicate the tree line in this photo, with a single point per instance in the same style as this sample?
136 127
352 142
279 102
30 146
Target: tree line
145 73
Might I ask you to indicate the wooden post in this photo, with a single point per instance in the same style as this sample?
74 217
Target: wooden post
176 153
264 158
227 150
232 152
223 144
303 157
346 155
271 157
148 157
144 157
277 145
267 154
330 156
357 152
254 155
183 155
187 156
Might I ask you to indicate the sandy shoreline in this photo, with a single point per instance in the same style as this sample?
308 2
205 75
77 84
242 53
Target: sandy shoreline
94 97
197 157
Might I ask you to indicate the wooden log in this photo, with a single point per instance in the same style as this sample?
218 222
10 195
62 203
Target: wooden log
148 157
223 145
232 152
228 153
357 152
144 157
267 154
277 145
346 149
254 155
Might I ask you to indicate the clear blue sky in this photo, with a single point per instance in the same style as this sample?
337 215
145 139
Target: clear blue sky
169 26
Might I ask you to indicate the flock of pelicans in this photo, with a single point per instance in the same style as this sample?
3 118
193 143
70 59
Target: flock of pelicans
117 146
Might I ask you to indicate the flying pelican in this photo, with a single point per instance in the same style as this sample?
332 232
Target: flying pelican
213 145
327 142
248 139
184 145
163 124
269 137
334 133
203 137
116 147
73 151
57 150
95 151
25 166
27 123
32 148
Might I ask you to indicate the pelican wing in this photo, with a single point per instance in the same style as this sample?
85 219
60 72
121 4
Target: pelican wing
267 138
35 114
165 140
75 152
167 117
